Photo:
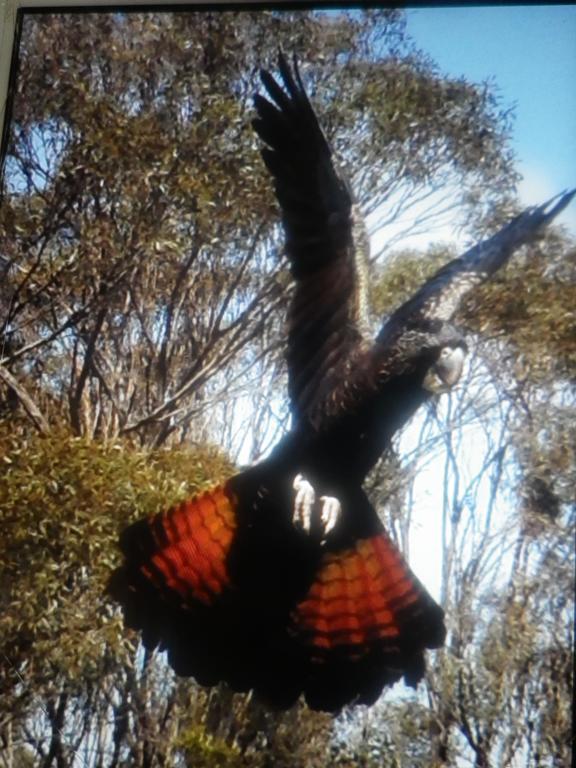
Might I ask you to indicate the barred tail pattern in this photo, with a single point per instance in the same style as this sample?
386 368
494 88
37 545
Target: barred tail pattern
183 552
243 596
365 598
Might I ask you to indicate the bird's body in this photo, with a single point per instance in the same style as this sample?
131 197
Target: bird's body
257 582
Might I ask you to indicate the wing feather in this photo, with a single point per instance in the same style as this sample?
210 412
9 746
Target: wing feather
439 298
331 364
421 325
325 319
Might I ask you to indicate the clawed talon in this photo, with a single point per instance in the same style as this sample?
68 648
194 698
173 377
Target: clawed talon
304 501
330 513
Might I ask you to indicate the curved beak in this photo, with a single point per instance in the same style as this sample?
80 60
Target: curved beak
446 371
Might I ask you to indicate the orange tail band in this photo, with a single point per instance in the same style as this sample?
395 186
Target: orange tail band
362 597
189 547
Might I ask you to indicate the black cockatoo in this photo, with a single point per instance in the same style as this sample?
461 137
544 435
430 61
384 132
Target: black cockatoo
283 579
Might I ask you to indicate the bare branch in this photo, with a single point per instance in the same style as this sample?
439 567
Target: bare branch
32 410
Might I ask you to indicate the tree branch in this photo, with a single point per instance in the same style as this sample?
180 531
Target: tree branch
32 410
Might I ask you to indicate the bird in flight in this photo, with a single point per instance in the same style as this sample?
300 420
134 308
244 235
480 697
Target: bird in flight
283 580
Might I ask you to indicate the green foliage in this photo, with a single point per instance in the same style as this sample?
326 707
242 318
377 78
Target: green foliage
532 305
402 275
63 501
222 728
203 750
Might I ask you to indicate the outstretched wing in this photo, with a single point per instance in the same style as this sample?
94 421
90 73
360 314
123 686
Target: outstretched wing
439 298
407 354
325 239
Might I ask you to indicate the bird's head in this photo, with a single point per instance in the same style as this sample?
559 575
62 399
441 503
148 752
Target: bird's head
446 371
449 352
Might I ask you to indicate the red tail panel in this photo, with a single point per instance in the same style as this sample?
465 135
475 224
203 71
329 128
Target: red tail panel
192 541
240 595
362 597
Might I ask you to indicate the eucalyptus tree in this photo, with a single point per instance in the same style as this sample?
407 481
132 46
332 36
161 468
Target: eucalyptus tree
143 293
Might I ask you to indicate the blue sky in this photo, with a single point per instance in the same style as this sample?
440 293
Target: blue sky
530 53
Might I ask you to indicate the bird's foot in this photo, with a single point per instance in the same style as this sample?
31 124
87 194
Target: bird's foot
304 503
329 514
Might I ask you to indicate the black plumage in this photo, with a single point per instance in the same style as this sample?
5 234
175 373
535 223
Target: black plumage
238 584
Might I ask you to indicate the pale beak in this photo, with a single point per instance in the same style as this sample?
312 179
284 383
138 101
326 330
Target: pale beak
446 371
